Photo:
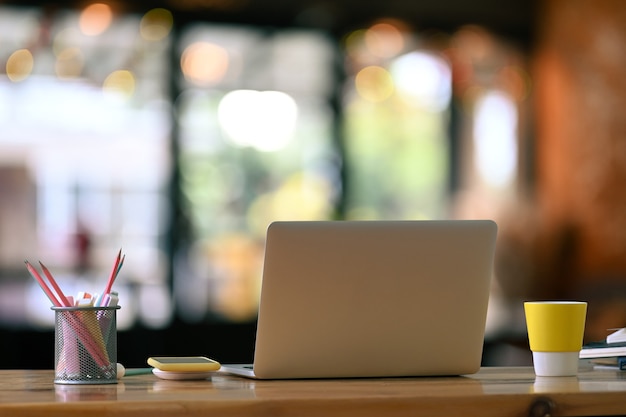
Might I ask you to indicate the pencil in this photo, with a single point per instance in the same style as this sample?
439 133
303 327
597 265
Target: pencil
55 286
42 284
113 274
100 356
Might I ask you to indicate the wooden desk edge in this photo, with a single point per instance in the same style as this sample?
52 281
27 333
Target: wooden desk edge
461 403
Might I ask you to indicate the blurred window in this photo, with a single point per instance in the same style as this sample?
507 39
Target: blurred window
85 131
255 146
119 132
396 105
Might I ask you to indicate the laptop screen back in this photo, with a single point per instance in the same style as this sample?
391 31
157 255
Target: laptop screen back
374 298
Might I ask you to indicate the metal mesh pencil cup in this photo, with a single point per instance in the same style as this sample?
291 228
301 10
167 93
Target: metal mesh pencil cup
85 349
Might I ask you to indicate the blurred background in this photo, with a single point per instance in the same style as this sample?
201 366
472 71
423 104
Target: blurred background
178 130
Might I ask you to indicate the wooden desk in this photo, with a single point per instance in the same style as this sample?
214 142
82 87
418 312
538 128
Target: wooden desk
491 392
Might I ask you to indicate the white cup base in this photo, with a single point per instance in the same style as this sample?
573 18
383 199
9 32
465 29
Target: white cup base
555 363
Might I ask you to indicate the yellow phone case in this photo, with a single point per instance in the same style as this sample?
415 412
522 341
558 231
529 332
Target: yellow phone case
184 363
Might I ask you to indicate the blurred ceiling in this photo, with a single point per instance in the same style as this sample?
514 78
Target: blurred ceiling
513 19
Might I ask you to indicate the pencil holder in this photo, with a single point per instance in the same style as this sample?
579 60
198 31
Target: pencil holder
85 349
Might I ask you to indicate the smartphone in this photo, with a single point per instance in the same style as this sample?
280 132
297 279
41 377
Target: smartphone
184 363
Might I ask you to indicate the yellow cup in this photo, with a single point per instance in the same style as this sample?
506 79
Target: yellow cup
555 334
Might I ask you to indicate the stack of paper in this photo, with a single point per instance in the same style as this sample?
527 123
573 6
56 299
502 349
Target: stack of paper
611 352
618 336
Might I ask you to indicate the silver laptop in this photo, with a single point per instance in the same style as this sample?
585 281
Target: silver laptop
372 299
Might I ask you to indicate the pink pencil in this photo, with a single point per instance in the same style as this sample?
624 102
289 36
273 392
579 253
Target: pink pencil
77 324
56 287
113 274
42 284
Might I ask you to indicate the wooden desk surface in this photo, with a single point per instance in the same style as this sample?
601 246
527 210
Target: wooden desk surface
490 392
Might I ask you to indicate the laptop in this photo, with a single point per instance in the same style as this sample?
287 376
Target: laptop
349 299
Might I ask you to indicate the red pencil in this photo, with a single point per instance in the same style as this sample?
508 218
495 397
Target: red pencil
107 289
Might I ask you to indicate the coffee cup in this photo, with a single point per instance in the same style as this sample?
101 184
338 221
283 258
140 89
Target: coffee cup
555 335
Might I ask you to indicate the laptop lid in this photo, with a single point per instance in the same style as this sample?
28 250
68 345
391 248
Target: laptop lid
373 298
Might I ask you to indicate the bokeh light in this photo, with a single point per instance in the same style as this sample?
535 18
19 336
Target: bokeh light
156 24
354 44
264 120
69 63
374 84
300 197
384 40
423 78
95 19
204 63
119 83
19 65
474 42
495 138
